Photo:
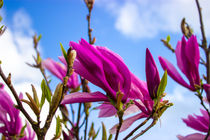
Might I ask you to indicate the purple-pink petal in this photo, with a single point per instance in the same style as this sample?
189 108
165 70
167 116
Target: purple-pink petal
102 67
152 75
171 70
55 68
122 72
200 123
128 122
81 97
59 71
106 110
194 136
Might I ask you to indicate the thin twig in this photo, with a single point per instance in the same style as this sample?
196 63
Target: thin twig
84 81
39 65
120 116
202 61
207 52
139 126
78 119
143 131
72 111
204 42
20 106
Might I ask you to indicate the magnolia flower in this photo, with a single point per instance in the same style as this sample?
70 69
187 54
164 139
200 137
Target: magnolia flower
188 56
143 93
10 121
59 71
197 122
104 69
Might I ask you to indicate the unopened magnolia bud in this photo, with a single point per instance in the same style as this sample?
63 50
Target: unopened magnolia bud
186 30
34 106
90 3
73 55
93 41
56 97
9 79
35 39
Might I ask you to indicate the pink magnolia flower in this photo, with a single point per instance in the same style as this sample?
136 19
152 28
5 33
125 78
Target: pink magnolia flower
188 57
143 93
59 71
197 122
10 119
101 67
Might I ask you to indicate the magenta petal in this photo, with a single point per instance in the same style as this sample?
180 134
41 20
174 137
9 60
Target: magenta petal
89 65
152 75
179 56
81 97
127 123
206 87
62 59
122 73
106 110
55 68
138 89
103 68
131 109
193 56
81 70
196 124
171 70
141 106
194 136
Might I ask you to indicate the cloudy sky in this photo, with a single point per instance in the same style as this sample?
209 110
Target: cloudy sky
127 27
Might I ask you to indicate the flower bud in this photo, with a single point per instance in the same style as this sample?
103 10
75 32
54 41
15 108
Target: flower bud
56 97
90 3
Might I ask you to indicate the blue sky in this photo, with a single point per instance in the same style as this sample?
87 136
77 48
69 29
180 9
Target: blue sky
126 27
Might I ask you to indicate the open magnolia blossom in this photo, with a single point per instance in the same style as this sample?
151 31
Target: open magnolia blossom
10 120
188 58
197 122
103 68
142 93
59 70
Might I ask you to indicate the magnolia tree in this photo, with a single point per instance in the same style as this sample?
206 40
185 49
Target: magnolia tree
122 92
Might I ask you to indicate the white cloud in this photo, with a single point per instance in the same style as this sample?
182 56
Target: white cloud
16 46
147 18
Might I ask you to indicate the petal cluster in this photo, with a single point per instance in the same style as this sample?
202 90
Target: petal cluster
101 67
9 115
197 122
188 56
10 121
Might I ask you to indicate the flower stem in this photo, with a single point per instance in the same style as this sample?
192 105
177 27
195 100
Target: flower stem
139 126
34 124
143 131
120 116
